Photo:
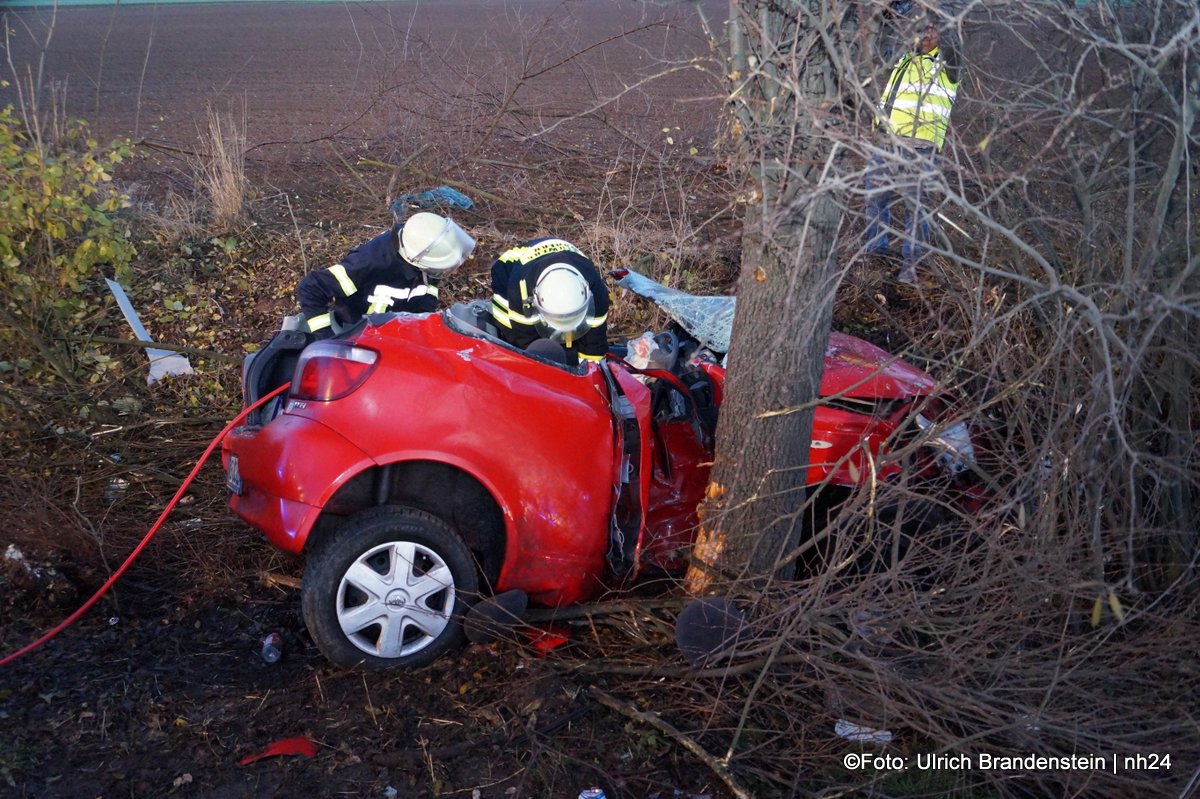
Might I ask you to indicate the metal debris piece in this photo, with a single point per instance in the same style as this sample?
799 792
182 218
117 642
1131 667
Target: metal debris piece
856 732
163 363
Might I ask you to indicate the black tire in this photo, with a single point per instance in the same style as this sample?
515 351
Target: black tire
389 589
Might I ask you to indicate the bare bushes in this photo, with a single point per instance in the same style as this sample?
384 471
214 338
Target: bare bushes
1055 619
1097 282
41 106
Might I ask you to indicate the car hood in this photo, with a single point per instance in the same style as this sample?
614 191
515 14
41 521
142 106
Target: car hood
858 369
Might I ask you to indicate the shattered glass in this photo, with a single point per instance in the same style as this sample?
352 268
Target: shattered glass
708 319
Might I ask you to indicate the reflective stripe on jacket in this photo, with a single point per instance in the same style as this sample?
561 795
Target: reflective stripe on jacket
372 278
514 275
918 97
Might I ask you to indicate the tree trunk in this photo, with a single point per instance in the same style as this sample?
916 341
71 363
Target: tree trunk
753 517
785 78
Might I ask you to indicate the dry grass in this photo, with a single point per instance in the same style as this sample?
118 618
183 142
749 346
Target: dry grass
172 220
221 175
211 198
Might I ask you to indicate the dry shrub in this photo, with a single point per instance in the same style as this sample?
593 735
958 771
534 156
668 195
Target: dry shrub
1058 619
174 219
679 252
41 106
221 175
212 199
45 118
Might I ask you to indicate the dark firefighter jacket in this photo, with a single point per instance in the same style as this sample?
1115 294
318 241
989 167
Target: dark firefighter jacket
514 275
372 278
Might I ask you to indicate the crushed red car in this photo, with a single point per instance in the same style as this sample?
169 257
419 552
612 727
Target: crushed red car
420 463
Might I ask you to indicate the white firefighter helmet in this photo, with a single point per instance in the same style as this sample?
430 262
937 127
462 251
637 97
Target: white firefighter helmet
434 244
562 298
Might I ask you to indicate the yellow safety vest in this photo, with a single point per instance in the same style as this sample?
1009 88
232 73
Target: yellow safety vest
918 97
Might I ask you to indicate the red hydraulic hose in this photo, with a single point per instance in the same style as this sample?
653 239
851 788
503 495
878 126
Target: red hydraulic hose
67 622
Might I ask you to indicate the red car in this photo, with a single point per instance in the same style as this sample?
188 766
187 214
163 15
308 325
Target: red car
421 463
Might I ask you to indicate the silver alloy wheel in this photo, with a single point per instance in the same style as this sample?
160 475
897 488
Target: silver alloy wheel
395 599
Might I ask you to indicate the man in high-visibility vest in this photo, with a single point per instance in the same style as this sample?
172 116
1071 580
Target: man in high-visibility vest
915 110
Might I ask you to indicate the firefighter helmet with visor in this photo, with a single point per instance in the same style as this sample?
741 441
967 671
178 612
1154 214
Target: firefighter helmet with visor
435 244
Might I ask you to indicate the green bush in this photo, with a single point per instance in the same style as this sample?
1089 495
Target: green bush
58 221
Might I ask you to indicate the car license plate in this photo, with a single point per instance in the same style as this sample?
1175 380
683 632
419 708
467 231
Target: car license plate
233 478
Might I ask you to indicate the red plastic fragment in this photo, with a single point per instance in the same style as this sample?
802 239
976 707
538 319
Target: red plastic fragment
287 746
546 640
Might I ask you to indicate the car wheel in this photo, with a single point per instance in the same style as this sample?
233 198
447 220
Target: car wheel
389 589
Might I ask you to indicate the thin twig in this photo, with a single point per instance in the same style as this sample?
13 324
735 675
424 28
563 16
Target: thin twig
350 168
487 195
394 179
626 709
296 227
273 579
156 345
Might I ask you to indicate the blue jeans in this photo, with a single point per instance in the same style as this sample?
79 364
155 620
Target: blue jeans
899 174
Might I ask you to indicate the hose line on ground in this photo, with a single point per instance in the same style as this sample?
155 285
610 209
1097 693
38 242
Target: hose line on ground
67 622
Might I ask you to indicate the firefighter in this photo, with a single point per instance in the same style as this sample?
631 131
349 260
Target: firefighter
548 289
398 270
915 110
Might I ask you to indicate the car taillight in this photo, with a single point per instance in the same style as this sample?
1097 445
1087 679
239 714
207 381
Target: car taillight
329 370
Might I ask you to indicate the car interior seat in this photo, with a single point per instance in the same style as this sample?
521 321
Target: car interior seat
550 350
475 314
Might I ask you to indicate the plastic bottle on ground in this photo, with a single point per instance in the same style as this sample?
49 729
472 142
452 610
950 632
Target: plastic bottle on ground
115 490
272 648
